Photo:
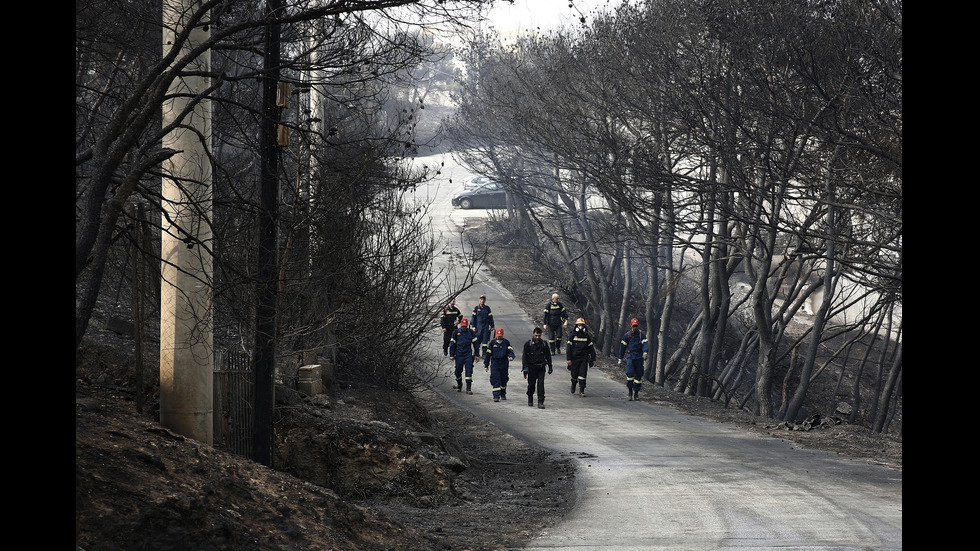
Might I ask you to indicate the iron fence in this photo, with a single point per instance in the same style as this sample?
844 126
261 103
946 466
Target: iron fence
233 388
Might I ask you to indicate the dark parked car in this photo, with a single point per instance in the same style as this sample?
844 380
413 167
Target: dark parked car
487 196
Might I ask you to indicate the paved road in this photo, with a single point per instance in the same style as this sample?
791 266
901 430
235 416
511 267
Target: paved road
650 478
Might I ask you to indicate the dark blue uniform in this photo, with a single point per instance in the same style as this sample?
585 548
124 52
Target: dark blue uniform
483 322
497 359
634 346
463 347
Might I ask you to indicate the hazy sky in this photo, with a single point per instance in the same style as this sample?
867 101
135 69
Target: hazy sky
530 15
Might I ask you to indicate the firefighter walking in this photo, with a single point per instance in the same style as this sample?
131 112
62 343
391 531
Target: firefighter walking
634 347
496 360
450 317
483 320
555 319
580 354
464 347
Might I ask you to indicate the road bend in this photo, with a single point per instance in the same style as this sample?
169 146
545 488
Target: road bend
649 478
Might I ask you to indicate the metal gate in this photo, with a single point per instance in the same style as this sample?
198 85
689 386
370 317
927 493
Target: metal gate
233 389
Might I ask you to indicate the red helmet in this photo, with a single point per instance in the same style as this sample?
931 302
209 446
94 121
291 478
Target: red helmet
463 322
634 322
500 332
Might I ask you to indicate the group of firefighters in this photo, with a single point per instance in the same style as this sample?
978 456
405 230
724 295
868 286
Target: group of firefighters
467 339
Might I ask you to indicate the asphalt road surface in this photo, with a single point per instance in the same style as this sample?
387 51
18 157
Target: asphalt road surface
650 478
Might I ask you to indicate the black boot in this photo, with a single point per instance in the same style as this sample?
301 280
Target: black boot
573 386
459 385
468 383
530 401
540 403
631 395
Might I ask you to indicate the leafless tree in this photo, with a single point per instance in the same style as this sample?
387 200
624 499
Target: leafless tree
750 150
326 247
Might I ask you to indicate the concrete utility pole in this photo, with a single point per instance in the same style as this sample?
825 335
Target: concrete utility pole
186 330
